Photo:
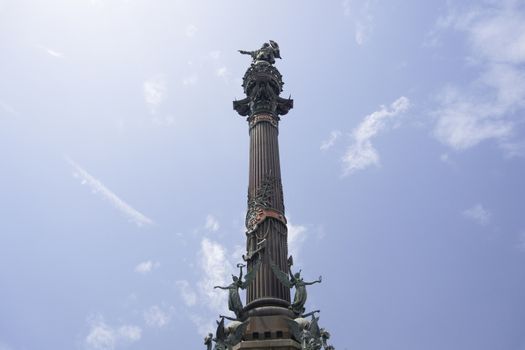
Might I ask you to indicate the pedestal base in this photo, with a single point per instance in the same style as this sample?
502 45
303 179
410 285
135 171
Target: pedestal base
275 344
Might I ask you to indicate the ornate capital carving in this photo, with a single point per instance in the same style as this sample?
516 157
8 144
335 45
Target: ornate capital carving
262 85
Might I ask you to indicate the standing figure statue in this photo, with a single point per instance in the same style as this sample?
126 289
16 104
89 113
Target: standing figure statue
226 338
208 341
268 53
309 335
296 281
234 298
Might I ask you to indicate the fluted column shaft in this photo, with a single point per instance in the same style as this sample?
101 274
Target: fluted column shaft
265 184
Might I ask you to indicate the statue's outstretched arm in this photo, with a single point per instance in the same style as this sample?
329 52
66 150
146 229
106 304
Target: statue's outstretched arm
314 282
221 287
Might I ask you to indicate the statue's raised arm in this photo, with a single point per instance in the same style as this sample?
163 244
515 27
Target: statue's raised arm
267 53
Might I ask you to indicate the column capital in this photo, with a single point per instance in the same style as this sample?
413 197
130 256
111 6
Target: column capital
262 84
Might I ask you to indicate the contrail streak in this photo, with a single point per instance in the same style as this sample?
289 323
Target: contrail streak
97 186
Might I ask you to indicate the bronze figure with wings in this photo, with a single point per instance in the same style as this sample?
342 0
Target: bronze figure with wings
234 298
226 338
295 280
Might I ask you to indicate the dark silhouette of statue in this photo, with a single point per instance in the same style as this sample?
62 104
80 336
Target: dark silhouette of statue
234 298
296 281
208 341
267 53
226 338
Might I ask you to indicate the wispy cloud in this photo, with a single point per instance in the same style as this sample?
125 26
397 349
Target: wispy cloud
104 337
216 268
190 80
97 187
521 241
187 293
346 7
146 266
7 108
478 214
203 324
215 55
191 30
444 157
491 105
51 52
222 72
154 93
156 317
296 238
363 24
212 224
362 153
330 142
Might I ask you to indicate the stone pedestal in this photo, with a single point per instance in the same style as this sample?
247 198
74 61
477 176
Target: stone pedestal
276 344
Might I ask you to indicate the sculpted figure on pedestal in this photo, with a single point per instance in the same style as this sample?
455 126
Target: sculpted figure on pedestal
234 298
267 53
296 281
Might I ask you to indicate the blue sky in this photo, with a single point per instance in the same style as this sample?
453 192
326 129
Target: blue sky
125 169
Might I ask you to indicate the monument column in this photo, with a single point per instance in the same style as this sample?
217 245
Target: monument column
270 320
266 235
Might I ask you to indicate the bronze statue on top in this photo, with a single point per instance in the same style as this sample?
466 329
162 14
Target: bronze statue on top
267 53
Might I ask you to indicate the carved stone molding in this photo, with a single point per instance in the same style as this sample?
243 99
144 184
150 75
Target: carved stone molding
259 206
262 85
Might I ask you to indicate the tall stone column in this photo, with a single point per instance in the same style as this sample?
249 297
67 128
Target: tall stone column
269 320
266 235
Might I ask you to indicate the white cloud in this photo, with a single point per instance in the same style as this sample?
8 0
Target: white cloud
7 108
146 266
222 72
362 153
154 93
346 7
212 224
156 317
521 241
478 214
296 238
215 54
104 337
330 142
51 52
191 80
360 33
491 106
101 337
187 293
191 30
363 24
97 187
216 269
204 324
464 121
129 333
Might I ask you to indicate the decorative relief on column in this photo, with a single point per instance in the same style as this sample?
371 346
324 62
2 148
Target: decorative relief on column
260 205
257 118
